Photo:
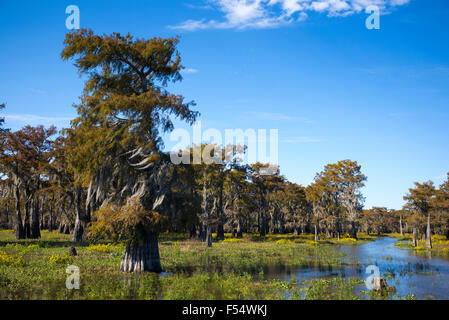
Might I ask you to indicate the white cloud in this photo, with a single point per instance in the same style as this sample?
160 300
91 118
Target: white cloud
16 121
259 14
189 70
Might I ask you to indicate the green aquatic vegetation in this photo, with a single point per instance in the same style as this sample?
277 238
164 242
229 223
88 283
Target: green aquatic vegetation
228 270
208 286
440 247
60 259
41 273
246 256
331 289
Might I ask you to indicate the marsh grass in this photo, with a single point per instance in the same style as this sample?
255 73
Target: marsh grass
440 245
331 289
36 269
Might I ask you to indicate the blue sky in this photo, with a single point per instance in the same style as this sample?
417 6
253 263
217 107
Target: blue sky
333 88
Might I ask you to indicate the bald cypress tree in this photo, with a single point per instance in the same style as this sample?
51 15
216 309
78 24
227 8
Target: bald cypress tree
24 157
116 136
420 199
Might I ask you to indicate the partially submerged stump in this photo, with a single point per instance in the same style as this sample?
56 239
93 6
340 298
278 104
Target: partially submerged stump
72 252
381 286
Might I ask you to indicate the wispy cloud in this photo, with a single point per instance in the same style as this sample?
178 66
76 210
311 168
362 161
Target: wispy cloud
302 140
189 70
441 177
202 7
38 91
34 120
261 14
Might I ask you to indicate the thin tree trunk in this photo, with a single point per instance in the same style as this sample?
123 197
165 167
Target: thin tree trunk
7 214
415 237
428 234
61 227
262 225
206 212
209 236
144 256
239 229
78 231
401 231
35 232
317 237
220 226
353 230
193 233
26 221
50 218
220 231
20 232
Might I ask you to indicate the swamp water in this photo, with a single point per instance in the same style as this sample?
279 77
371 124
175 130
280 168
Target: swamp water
424 276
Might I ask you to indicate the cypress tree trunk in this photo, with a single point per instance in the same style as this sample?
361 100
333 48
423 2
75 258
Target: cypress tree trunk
353 230
61 227
80 222
35 232
26 221
20 232
401 231
50 221
201 235
206 212
220 231
209 236
317 237
143 256
7 214
78 231
415 237
262 225
428 234
220 226
193 232
239 229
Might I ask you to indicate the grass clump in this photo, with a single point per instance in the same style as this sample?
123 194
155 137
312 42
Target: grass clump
36 269
60 259
331 289
10 259
104 248
233 240
214 286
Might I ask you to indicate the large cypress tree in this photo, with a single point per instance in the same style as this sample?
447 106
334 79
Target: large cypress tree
116 137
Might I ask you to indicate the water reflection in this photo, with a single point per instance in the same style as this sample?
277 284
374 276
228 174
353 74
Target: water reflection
424 276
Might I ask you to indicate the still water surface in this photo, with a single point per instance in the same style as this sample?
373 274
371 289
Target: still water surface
424 276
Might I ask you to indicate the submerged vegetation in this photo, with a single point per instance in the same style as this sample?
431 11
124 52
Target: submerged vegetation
440 245
35 269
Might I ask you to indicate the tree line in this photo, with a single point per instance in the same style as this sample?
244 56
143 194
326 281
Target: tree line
106 177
